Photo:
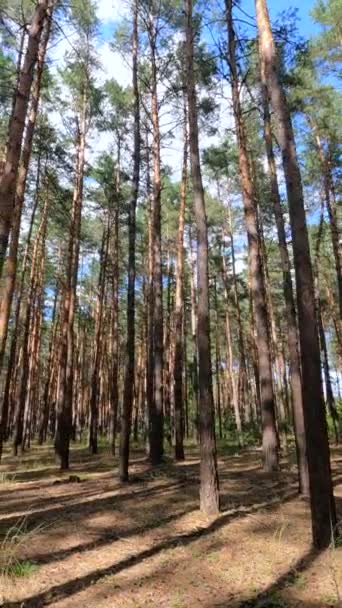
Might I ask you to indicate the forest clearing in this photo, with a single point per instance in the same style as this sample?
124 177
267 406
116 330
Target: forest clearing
170 304
146 544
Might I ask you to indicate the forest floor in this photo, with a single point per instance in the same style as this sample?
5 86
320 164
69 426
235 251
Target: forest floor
100 544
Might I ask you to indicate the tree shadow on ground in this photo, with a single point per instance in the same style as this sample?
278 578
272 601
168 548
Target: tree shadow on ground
252 488
269 598
70 507
69 588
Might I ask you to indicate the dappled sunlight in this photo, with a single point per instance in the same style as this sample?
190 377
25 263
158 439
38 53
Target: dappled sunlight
146 543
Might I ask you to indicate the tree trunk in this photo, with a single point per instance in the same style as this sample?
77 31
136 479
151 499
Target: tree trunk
65 396
292 336
49 371
11 366
209 485
168 354
28 329
130 343
332 211
156 411
17 125
217 362
269 433
94 389
179 303
321 493
194 324
114 392
243 392
326 368
7 284
232 384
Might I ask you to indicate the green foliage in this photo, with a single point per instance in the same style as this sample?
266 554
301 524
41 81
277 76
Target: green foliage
21 569
327 46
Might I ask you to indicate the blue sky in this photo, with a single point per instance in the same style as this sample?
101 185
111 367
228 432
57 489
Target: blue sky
109 8
306 25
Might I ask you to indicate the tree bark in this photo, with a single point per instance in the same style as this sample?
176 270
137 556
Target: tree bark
257 281
179 302
232 384
194 325
156 406
322 503
209 485
130 343
292 330
332 211
53 345
17 124
7 284
94 389
28 328
65 396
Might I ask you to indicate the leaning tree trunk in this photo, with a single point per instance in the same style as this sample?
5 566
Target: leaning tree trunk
7 284
9 174
322 503
332 211
269 432
292 335
322 340
209 485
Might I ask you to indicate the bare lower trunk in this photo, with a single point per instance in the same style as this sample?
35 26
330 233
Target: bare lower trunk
209 488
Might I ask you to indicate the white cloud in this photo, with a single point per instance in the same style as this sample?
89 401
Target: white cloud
112 10
113 65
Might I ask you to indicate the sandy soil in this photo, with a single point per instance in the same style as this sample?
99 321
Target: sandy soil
100 544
